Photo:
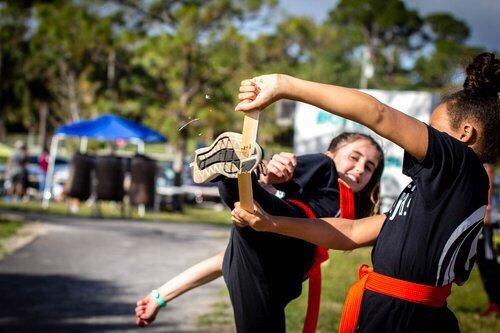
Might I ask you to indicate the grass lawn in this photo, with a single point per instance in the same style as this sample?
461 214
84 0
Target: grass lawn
109 210
8 228
466 301
338 274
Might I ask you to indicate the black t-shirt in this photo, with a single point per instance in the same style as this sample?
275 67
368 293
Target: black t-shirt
429 235
315 182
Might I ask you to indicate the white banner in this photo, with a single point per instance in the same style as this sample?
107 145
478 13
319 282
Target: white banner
315 128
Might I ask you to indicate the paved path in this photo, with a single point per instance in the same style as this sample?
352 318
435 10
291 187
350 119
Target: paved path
84 275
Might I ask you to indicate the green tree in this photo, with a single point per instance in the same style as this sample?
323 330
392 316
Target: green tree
448 36
195 53
69 46
388 29
332 54
14 17
298 46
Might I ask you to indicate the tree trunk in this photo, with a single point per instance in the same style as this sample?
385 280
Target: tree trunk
210 133
42 127
366 67
180 151
3 129
72 94
111 70
391 61
191 86
178 166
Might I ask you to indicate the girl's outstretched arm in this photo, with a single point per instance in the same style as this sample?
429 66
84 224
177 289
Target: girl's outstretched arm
195 276
332 233
407 132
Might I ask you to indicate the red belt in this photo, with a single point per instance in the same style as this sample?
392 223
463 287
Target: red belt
314 275
386 285
321 254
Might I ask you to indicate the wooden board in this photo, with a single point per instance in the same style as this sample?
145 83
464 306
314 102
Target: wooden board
250 128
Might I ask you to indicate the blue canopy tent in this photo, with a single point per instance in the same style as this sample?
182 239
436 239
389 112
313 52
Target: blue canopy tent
103 128
110 128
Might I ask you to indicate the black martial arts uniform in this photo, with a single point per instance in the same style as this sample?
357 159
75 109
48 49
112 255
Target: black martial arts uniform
429 236
265 271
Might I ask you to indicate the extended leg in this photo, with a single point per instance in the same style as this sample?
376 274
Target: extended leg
263 271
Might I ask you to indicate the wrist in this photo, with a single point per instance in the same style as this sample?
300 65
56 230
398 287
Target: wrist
272 225
288 87
282 91
158 298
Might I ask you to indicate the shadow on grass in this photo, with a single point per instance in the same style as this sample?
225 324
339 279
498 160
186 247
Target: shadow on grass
58 303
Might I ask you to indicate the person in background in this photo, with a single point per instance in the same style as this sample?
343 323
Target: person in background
43 164
17 172
486 255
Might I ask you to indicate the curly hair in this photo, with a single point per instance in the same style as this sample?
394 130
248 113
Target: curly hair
368 199
478 101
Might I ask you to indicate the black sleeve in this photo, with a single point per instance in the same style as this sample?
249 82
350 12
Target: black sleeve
445 161
311 171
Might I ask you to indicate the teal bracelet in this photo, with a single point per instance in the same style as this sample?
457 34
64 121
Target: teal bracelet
156 295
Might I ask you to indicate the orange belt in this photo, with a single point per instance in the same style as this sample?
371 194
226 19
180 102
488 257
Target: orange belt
389 286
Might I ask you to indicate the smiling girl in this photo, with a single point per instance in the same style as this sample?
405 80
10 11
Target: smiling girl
265 271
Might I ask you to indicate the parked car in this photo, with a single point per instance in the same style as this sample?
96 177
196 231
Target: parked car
198 193
191 192
2 180
33 174
34 169
165 189
61 176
